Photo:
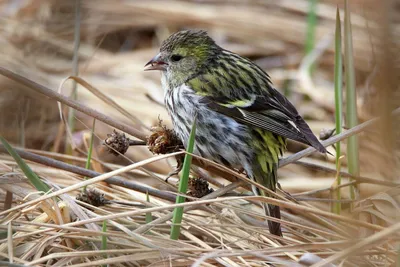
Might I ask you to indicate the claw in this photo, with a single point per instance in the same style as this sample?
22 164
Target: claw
178 168
172 173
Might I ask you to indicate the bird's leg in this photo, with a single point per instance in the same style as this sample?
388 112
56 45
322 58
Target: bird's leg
179 166
172 173
287 194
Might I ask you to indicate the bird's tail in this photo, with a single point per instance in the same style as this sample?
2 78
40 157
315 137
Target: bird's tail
273 211
269 180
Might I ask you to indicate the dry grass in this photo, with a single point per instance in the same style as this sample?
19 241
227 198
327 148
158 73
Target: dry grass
117 39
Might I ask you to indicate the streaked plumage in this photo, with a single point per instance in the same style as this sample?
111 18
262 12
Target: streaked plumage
242 121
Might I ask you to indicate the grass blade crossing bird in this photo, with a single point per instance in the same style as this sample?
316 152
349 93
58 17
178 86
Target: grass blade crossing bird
242 120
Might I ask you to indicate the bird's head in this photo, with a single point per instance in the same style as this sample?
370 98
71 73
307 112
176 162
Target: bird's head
183 55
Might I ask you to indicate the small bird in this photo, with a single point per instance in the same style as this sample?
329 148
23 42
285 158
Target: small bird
242 120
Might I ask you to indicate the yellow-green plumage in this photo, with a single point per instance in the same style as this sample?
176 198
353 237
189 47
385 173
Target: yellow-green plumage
242 121
269 147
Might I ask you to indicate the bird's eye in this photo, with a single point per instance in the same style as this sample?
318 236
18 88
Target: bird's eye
176 58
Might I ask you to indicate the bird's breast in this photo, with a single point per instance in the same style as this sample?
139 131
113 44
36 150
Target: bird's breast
218 137
183 104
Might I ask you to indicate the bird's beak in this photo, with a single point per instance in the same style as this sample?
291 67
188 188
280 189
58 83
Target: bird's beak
156 63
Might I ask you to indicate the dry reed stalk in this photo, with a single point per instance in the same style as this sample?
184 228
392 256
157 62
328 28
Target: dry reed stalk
116 41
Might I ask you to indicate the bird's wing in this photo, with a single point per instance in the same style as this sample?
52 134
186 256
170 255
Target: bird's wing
272 112
238 88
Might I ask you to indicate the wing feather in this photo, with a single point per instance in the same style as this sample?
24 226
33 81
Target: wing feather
273 113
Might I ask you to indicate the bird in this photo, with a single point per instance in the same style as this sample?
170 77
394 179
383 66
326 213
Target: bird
242 121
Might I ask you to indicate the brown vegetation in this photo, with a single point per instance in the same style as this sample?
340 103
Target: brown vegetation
226 226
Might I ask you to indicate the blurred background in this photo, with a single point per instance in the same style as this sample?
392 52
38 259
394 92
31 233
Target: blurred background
293 40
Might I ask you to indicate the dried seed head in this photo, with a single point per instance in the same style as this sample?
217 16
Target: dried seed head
117 143
199 187
92 197
163 140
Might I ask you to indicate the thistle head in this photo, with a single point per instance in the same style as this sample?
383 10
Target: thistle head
183 55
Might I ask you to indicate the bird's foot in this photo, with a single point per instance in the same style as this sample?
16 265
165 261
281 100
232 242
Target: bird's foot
177 169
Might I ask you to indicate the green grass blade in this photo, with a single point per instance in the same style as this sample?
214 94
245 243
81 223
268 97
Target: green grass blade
183 185
351 99
149 217
338 103
89 156
311 27
75 69
32 177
